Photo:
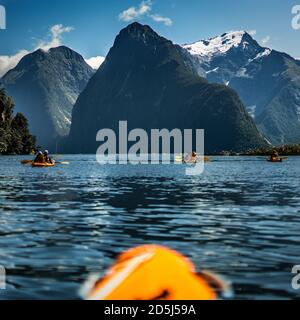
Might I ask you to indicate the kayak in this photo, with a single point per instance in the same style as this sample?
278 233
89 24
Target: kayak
25 162
275 160
153 272
42 165
206 159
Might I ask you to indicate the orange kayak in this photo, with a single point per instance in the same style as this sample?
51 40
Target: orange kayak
275 160
154 273
42 165
206 159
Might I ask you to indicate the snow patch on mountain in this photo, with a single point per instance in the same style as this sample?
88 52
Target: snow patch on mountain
218 45
242 73
213 70
263 54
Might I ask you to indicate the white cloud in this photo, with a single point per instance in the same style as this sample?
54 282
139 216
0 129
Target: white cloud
144 9
9 62
95 62
56 33
158 18
265 40
134 13
252 32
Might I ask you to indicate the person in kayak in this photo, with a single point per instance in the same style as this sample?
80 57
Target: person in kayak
274 155
39 158
191 158
47 158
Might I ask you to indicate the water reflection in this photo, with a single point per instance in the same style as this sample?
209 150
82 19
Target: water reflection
240 219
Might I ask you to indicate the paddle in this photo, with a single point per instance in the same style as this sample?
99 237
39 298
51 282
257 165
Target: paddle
178 159
26 162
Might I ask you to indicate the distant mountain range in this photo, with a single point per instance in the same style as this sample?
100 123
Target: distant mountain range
152 83
267 81
45 86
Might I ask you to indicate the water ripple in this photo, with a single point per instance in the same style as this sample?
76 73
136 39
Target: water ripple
240 218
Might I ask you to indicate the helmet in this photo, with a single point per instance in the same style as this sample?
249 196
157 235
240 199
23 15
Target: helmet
46 152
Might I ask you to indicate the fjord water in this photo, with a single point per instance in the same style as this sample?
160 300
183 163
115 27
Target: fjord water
240 219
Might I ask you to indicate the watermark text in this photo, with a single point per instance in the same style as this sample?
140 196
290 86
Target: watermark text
2 17
2 278
296 278
296 18
157 146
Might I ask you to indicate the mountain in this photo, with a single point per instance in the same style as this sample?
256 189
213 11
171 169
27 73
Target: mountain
151 83
45 86
267 81
15 137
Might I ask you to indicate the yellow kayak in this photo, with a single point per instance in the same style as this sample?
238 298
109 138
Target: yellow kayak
277 159
25 162
154 273
42 165
206 159
194 161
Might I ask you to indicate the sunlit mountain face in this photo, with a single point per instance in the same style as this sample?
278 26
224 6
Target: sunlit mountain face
267 81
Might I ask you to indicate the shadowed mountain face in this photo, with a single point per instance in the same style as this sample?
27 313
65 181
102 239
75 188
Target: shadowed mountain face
45 87
151 83
267 81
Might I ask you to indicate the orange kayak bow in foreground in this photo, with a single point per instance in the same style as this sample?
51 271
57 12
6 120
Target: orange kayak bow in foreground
155 273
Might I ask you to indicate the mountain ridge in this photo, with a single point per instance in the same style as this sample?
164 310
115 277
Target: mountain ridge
145 69
45 86
262 77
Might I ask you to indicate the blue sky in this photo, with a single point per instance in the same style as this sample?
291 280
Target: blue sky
90 26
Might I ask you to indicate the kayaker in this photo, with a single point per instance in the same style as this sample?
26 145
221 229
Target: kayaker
47 158
192 158
39 158
274 155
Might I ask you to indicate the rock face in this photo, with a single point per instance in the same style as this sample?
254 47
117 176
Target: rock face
267 81
45 87
151 83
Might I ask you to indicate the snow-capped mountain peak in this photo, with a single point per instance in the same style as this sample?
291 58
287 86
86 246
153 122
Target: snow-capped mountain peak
220 44
266 80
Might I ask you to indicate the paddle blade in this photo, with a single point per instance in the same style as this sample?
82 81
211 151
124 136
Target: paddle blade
26 162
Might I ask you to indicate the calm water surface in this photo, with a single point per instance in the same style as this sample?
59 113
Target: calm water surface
241 219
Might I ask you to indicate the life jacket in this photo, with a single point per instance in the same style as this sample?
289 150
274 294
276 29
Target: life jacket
39 159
